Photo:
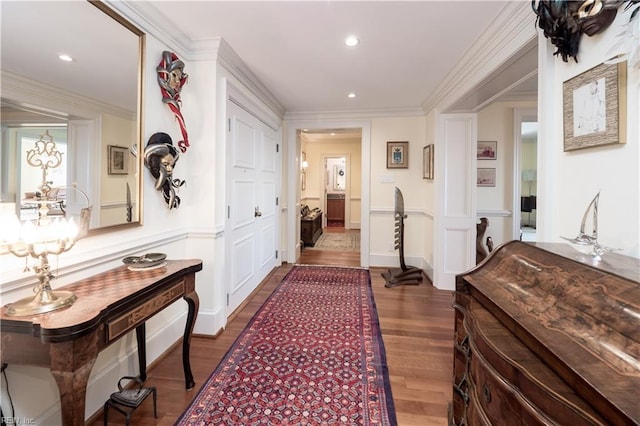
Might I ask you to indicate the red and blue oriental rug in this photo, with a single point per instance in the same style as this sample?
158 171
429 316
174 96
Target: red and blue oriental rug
312 355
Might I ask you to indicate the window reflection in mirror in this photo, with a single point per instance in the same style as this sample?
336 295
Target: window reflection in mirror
86 105
31 177
339 177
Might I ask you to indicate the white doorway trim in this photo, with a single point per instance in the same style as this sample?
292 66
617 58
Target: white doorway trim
293 186
520 116
456 215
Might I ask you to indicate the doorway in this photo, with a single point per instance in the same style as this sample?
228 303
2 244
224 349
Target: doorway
317 143
526 175
335 191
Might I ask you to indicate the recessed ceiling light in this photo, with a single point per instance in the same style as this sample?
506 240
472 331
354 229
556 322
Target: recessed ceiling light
65 58
351 95
352 41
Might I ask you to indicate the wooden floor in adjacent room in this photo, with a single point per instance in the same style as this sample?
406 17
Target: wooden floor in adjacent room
417 329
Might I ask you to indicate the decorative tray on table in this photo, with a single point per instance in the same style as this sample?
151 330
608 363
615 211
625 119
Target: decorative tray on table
145 262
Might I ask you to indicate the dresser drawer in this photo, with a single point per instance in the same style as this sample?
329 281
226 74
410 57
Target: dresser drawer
509 379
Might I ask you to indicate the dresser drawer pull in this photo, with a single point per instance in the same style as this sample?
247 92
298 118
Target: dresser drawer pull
463 346
461 389
486 392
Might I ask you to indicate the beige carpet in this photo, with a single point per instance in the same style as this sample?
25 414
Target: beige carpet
337 242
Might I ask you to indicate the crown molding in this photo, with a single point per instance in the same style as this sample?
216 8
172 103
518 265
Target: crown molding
354 114
147 16
512 29
229 59
47 99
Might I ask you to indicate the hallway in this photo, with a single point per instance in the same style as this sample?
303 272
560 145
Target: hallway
417 329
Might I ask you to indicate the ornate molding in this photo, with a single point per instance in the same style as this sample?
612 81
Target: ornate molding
512 29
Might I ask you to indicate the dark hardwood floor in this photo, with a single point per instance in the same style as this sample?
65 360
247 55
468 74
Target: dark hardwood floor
417 329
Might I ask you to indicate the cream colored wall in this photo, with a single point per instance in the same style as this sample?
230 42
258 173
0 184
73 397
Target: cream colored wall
383 184
496 123
113 188
315 151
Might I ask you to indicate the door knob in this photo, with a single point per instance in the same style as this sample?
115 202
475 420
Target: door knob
257 212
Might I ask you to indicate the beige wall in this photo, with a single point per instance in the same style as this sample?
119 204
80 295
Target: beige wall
113 188
383 184
496 123
333 146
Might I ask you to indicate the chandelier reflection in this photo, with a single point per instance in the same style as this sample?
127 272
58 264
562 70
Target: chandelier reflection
44 236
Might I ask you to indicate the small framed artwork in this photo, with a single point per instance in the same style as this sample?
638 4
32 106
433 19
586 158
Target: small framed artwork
486 177
397 155
118 160
427 162
594 107
487 150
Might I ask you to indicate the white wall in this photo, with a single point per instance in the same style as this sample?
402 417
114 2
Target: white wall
569 180
33 390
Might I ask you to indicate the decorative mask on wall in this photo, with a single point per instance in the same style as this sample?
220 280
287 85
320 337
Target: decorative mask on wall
160 157
171 78
564 22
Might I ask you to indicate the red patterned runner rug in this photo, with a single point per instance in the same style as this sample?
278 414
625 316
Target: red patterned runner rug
312 355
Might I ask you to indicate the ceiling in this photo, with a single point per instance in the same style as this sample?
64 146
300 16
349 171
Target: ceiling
295 48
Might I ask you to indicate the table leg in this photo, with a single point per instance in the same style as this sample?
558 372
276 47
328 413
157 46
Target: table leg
142 350
71 364
194 302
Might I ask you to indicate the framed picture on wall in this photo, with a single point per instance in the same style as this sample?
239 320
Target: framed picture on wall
487 150
397 155
427 162
486 177
594 107
118 160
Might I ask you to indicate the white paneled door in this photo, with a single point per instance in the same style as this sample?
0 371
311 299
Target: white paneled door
251 154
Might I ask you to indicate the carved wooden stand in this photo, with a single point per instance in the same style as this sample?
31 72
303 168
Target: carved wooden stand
405 275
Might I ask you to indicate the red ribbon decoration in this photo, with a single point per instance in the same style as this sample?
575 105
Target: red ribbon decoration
171 78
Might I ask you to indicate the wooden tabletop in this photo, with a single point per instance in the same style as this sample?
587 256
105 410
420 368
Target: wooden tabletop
98 296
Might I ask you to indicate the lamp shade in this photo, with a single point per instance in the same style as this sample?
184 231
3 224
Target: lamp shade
529 175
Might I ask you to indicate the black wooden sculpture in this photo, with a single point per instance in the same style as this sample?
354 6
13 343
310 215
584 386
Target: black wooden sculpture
405 275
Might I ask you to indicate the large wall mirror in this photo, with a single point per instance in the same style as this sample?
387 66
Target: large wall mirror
89 106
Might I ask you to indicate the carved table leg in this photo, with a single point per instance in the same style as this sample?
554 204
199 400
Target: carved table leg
142 350
194 302
71 364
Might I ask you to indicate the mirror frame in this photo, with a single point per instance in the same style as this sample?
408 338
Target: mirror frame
139 117
16 92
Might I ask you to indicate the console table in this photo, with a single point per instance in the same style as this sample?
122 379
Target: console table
109 305
547 336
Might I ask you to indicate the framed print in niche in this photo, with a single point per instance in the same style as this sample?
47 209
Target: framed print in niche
427 162
594 107
487 150
118 160
486 177
397 155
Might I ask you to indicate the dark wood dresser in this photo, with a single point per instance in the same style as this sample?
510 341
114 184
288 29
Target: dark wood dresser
311 228
547 336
